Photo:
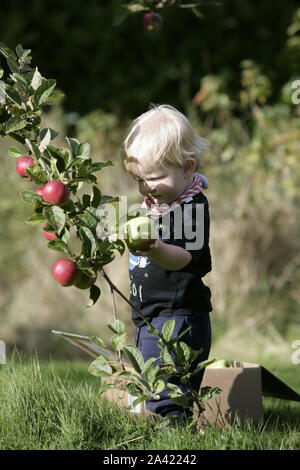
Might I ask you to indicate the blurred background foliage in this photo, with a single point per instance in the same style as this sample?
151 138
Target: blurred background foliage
231 72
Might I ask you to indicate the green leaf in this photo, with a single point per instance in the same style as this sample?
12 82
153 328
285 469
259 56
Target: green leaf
83 151
13 65
151 373
56 217
35 219
12 94
29 197
56 153
73 144
58 245
117 326
42 94
14 152
88 219
89 242
120 246
46 135
153 331
167 329
36 80
183 351
86 201
98 341
22 53
138 400
148 364
96 197
135 7
206 393
1 72
37 174
100 367
134 389
15 123
94 295
159 387
118 341
135 357
166 357
34 148
97 166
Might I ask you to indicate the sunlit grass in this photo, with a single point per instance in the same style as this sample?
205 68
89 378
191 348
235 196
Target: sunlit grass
48 405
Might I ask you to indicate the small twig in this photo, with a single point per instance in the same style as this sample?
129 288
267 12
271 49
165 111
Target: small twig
112 286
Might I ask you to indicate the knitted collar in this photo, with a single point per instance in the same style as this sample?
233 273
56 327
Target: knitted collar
199 183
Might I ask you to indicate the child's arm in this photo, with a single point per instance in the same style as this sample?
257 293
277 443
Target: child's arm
167 256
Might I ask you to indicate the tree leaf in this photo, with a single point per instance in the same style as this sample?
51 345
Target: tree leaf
148 364
94 295
35 219
135 357
96 197
83 151
12 94
42 94
159 386
73 144
36 80
117 326
37 174
58 245
14 152
29 197
150 374
118 341
98 341
89 242
13 65
15 123
56 217
100 367
167 329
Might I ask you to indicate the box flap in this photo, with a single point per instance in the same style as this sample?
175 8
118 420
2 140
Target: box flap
274 387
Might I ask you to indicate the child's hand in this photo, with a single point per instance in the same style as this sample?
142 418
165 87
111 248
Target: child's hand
151 250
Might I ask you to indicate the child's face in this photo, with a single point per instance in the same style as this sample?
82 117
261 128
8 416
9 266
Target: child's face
165 185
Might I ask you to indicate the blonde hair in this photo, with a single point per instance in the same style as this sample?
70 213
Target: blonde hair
161 136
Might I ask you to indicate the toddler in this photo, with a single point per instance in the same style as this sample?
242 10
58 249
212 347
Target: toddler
163 153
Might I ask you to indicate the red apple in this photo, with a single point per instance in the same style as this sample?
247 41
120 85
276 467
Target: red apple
65 272
56 193
39 191
84 281
152 21
49 235
24 162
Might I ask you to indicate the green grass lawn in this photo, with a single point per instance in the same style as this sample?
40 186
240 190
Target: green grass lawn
56 405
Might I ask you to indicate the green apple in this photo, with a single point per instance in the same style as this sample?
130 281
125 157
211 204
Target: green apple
221 364
137 233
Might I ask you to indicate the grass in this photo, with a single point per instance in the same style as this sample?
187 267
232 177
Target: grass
56 405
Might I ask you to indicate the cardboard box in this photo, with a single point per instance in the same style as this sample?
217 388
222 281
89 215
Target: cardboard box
242 385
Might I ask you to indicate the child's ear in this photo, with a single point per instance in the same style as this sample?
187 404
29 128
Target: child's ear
189 167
